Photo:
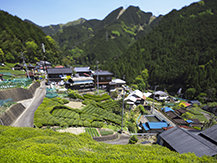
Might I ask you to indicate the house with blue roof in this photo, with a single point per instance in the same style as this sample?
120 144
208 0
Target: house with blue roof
167 109
154 127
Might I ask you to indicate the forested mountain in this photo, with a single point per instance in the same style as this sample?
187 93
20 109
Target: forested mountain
103 39
52 29
17 36
179 52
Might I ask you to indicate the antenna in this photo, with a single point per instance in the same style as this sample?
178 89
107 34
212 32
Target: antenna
24 63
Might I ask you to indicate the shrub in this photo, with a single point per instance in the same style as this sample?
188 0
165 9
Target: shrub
133 139
106 132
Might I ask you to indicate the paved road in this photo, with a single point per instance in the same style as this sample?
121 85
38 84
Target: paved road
26 118
122 139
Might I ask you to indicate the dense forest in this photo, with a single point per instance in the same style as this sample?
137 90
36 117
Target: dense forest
104 39
179 52
36 145
17 36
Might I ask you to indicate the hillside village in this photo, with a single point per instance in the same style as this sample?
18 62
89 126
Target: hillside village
156 112
132 87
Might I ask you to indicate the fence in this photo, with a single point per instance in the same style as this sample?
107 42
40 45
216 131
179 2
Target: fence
51 92
18 82
4 104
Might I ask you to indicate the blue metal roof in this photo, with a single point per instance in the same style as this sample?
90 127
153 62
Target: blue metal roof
167 109
145 126
157 125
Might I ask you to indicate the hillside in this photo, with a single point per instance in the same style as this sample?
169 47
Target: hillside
103 39
17 36
52 29
36 145
179 52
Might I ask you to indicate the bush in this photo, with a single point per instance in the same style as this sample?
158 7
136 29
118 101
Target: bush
106 132
131 128
133 139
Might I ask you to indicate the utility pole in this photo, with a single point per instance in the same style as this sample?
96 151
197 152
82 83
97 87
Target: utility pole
155 87
24 63
122 110
97 76
43 49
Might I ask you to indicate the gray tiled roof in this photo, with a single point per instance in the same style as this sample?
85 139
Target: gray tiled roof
100 72
211 133
184 141
59 71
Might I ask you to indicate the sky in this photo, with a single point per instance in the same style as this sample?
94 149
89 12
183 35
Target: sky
46 12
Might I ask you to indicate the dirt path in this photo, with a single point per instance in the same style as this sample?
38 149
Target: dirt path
73 104
73 130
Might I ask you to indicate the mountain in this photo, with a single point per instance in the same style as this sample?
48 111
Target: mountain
17 36
104 39
179 52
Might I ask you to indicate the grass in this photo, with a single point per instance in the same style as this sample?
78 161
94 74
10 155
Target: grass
198 115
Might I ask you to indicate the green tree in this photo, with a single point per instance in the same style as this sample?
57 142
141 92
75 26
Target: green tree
190 92
2 57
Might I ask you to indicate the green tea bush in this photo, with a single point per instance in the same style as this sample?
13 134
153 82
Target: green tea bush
106 132
35 145
133 139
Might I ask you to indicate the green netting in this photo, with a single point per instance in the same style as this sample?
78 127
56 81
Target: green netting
51 93
18 82
4 104
6 73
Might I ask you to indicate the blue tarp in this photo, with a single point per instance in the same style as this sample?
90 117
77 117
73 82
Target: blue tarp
189 121
157 125
167 109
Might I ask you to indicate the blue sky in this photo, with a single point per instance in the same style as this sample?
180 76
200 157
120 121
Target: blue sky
46 12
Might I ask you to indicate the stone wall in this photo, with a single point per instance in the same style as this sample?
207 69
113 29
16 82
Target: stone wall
106 138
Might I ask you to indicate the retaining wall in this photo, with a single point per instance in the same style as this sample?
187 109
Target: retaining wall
105 138
10 115
19 94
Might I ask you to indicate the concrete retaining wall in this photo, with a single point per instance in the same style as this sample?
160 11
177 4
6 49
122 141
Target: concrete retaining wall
105 138
19 94
10 115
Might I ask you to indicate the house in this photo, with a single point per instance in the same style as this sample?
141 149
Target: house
160 95
31 75
18 67
154 127
104 77
56 74
180 111
194 123
135 98
194 102
211 109
183 141
82 71
80 83
174 116
116 85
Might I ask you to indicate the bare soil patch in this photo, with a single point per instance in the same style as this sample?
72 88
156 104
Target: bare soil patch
74 104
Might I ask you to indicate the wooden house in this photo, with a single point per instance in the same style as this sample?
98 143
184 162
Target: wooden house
104 78
56 74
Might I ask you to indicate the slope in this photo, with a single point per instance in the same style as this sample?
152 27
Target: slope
17 36
35 145
102 40
179 52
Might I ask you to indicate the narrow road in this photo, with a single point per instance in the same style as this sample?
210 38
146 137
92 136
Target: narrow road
26 118
122 139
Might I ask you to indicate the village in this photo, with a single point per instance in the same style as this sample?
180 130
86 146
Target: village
166 117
